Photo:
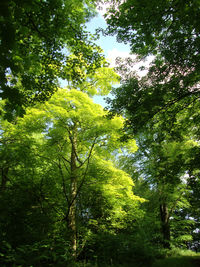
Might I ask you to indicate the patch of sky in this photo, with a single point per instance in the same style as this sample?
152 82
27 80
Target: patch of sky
111 48
107 43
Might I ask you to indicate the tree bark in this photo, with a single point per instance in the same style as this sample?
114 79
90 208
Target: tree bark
4 178
72 200
165 227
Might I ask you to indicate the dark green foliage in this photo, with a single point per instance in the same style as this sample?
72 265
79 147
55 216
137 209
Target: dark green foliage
167 28
123 249
170 31
36 37
162 108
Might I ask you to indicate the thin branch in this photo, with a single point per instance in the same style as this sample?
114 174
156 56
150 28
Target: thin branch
65 159
174 206
67 169
63 181
86 169
83 180
174 101
34 26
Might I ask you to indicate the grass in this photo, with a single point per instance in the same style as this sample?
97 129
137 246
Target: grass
181 261
179 258
170 258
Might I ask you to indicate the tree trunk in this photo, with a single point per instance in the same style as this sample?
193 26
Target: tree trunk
164 214
73 195
4 178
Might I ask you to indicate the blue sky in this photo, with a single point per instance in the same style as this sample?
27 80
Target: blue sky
111 47
107 43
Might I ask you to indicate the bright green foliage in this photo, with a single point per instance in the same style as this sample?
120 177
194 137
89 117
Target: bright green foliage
101 82
39 150
116 186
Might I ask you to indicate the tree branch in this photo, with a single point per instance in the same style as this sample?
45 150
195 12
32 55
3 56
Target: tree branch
63 181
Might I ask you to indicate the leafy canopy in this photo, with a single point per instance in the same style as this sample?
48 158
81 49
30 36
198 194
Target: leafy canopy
36 40
169 30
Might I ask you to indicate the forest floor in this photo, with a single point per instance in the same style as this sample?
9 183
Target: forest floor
181 261
178 261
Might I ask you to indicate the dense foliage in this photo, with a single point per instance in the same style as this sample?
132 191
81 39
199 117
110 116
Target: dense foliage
169 30
37 38
162 108
82 186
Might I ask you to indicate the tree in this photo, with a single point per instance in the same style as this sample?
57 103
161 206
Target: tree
76 143
169 31
160 172
164 103
80 126
167 28
36 40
